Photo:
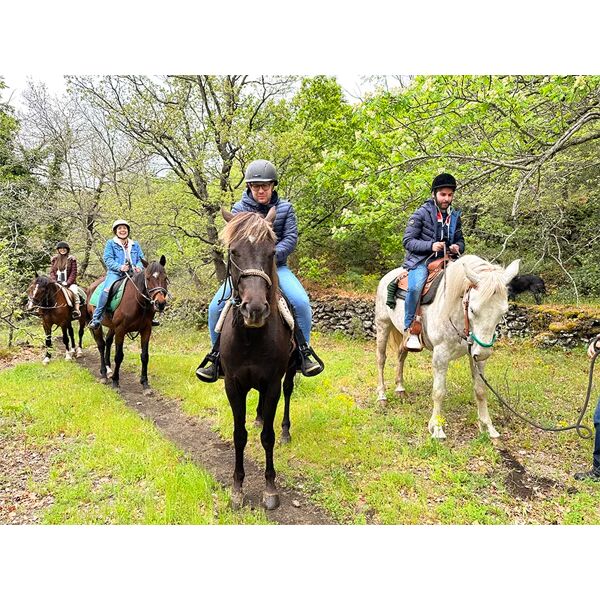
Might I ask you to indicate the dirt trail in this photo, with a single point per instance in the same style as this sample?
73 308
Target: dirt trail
206 449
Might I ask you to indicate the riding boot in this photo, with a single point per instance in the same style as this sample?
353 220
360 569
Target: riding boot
210 373
76 312
308 367
155 322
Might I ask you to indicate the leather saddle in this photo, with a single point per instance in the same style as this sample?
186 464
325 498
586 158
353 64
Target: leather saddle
434 278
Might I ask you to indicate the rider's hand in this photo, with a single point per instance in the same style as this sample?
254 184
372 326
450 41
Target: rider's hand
454 249
595 345
124 267
138 270
437 246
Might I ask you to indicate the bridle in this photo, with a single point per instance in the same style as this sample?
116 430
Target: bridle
467 334
235 295
151 292
31 299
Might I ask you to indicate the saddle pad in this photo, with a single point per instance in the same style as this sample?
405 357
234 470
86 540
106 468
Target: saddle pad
114 295
429 290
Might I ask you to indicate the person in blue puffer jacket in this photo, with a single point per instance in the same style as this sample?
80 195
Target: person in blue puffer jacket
121 255
260 196
433 227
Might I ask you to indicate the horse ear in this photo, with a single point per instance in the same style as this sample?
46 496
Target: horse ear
226 214
144 262
36 275
471 275
270 218
163 260
512 270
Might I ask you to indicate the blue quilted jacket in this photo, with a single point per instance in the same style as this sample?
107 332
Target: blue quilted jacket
420 233
285 225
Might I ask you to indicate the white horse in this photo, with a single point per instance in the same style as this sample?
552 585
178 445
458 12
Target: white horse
473 297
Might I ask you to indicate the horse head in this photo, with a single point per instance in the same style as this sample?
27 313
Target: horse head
485 302
38 292
157 283
251 242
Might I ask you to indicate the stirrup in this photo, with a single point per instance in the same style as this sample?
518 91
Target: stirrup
76 314
209 374
155 323
94 326
308 367
412 343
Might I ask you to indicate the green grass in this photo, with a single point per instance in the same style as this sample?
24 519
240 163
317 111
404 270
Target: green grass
366 464
108 465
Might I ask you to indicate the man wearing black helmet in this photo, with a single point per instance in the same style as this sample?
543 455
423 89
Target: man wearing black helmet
431 228
260 196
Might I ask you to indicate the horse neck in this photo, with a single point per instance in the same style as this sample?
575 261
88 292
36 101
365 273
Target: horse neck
438 313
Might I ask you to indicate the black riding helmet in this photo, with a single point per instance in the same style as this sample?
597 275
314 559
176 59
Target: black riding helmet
443 180
63 245
261 171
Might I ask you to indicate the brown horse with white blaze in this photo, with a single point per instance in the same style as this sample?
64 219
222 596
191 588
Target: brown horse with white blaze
145 293
47 299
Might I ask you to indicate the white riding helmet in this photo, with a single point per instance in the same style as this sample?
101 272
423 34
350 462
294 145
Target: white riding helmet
120 222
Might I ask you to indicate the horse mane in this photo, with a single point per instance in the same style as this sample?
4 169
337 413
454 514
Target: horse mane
492 281
246 225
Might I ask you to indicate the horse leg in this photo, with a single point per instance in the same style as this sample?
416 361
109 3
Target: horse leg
101 345
145 356
237 401
65 339
119 339
48 341
109 340
402 354
484 420
79 351
383 332
267 437
288 388
258 421
440 368
71 334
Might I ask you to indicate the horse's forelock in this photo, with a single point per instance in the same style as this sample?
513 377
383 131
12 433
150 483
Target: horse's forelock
246 225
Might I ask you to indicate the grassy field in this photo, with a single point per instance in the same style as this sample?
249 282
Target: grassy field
362 463
107 465
366 464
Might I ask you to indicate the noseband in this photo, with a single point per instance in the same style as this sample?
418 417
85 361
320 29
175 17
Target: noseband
245 273
467 335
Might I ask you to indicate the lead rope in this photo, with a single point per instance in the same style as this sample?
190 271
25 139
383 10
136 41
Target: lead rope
577 425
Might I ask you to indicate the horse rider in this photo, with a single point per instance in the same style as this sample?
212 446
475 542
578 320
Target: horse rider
433 227
63 270
594 473
260 196
121 256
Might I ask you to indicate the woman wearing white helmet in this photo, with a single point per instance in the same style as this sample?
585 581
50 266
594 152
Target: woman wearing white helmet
121 255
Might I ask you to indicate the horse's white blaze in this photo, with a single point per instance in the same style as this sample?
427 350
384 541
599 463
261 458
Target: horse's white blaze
155 275
441 321
30 303
251 239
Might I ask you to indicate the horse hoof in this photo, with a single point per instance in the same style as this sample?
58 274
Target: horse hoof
286 438
78 353
258 423
115 385
103 380
401 393
493 433
147 392
68 356
438 433
237 500
109 371
270 501
46 360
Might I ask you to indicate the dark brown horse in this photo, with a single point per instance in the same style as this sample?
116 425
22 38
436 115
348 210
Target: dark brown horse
145 293
47 299
256 344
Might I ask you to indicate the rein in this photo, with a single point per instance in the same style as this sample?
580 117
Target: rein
583 431
155 290
38 306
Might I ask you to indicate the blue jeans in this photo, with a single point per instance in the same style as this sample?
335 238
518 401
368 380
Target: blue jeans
416 280
289 285
106 284
597 438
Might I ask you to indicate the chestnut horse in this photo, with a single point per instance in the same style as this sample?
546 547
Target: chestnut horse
256 344
46 297
145 293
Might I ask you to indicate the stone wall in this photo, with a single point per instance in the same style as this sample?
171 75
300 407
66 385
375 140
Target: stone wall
564 326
